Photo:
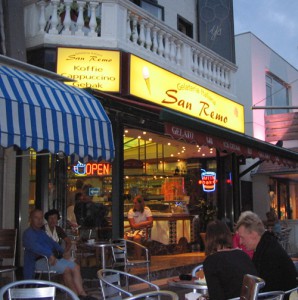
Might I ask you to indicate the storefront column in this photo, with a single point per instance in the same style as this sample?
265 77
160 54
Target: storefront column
42 182
235 210
117 179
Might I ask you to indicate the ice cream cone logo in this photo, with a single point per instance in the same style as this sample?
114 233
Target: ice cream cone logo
146 77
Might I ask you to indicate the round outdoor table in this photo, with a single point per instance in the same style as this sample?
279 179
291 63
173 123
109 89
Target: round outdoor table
102 245
189 284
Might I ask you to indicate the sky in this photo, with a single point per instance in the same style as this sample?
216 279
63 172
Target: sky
275 22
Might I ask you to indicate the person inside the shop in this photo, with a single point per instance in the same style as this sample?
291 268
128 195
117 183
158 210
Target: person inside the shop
36 242
272 223
140 220
270 259
71 217
89 215
224 266
56 232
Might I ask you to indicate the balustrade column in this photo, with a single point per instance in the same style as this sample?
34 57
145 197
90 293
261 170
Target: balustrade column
148 36
167 46
128 26
172 49
161 48
67 18
154 39
80 20
142 38
92 22
42 19
54 17
135 29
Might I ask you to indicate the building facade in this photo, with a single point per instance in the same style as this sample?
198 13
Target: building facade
166 75
268 84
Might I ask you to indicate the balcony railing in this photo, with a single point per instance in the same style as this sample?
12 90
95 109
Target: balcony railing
120 24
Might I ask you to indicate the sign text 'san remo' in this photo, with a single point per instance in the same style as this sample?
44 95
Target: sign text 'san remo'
92 169
208 181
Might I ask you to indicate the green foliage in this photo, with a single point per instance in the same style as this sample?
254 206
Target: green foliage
206 211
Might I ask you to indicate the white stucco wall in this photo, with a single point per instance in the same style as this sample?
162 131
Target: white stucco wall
260 195
254 58
185 8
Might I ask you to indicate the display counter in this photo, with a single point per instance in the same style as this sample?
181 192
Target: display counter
171 221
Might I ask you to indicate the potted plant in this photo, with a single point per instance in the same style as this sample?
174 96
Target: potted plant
206 212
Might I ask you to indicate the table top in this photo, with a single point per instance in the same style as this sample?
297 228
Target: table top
188 284
99 244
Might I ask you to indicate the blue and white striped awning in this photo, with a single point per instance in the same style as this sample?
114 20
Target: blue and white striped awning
45 114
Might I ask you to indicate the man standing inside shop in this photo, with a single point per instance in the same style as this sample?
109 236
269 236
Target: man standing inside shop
89 215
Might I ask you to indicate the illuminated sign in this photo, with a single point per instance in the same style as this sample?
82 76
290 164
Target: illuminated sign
162 87
208 181
91 169
96 69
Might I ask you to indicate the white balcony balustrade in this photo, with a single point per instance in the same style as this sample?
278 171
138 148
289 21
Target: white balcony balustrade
120 24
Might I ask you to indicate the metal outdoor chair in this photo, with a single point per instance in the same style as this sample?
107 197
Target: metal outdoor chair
115 284
284 237
149 295
251 290
123 258
293 293
35 289
46 271
8 242
195 270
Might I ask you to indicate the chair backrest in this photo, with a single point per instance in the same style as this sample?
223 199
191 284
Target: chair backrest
110 283
34 289
195 270
115 284
8 242
273 295
163 293
250 287
119 252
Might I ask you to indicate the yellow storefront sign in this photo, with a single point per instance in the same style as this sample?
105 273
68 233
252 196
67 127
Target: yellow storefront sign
96 69
150 82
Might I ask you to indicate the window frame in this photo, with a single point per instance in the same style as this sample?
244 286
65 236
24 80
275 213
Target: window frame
271 94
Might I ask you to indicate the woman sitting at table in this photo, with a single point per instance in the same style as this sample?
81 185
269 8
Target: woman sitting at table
140 219
224 266
56 232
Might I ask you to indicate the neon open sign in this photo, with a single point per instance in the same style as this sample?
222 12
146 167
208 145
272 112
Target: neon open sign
208 181
91 169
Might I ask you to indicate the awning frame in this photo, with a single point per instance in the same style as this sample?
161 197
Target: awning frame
263 149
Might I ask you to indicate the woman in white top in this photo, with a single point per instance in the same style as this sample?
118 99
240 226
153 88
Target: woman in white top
140 218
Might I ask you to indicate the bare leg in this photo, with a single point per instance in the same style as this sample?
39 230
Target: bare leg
73 280
68 280
78 281
138 250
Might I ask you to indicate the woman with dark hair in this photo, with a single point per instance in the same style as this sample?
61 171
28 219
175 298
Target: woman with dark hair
224 267
56 232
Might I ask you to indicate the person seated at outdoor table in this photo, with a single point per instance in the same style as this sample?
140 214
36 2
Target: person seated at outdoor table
272 223
140 219
224 266
270 259
237 244
37 243
56 232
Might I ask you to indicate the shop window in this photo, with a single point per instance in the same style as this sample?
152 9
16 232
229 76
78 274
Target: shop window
152 7
185 26
277 94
